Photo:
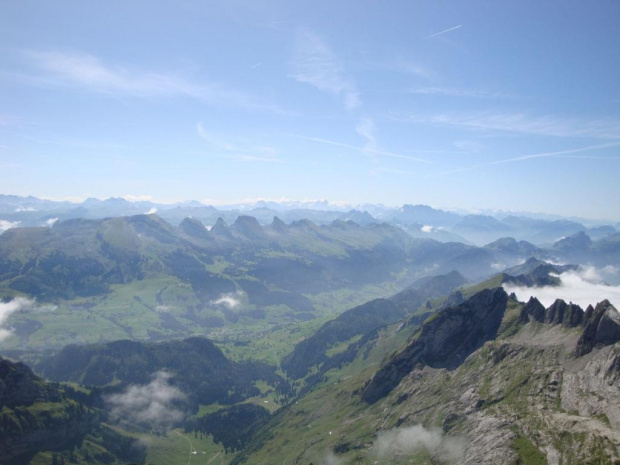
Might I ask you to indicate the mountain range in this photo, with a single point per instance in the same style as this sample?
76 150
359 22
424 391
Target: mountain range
419 220
334 338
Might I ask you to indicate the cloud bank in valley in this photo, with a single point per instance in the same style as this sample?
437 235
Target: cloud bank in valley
401 442
584 287
16 305
4 225
154 404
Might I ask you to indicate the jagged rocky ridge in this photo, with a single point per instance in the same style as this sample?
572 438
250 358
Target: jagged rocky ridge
449 337
445 341
520 384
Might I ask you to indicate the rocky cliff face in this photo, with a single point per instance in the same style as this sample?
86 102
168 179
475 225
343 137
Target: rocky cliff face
491 381
602 328
559 313
444 341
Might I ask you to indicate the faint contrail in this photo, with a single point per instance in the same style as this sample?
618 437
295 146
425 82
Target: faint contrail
558 154
443 32
361 149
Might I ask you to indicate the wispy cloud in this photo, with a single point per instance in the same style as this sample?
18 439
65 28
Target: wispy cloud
437 34
364 149
464 93
522 123
90 73
232 151
366 128
316 64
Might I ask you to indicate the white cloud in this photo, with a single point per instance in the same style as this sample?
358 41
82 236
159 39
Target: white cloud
231 300
152 211
4 225
137 198
314 63
25 209
402 442
152 404
17 305
90 73
50 222
584 287
427 228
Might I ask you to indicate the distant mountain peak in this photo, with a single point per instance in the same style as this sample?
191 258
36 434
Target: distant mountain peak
193 227
248 226
278 225
578 241
306 225
220 228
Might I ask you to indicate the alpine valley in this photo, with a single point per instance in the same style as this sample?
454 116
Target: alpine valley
305 333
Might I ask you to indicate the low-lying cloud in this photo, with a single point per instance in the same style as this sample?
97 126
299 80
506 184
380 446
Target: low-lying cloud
402 442
584 287
427 228
230 300
154 404
16 305
4 225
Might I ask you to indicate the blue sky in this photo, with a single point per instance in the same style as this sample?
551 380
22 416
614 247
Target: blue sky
478 104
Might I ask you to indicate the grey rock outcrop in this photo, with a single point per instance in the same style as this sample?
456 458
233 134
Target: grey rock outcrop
602 328
444 342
